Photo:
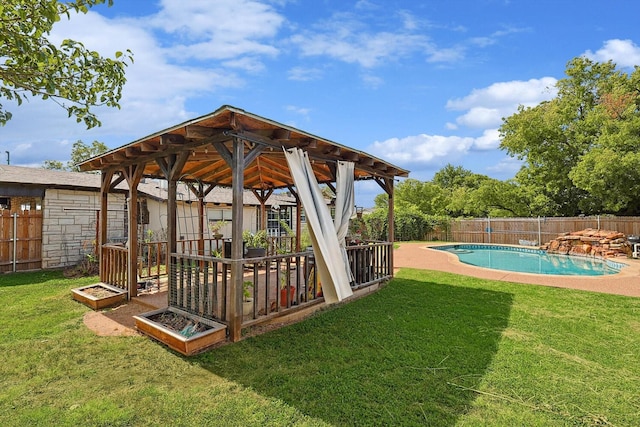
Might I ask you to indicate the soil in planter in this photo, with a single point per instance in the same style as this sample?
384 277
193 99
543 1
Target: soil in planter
183 325
99 292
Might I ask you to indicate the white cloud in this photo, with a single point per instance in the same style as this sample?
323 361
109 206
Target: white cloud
349 38
366 49
154 97
454 54
304 74
156 91
487 106
218 30
483 109
480 117
530 92
422 149
430 151
624 53
490 140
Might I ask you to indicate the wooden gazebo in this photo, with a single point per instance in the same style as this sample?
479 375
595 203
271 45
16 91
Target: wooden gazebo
233 148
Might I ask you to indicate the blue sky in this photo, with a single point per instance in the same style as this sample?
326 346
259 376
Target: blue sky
420 84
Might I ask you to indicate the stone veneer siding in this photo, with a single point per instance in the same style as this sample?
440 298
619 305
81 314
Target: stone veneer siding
69 225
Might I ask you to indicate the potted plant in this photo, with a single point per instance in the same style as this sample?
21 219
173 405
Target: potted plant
286 291
256 243
247 297
214 228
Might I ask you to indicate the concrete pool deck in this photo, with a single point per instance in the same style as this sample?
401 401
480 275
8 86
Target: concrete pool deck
420 256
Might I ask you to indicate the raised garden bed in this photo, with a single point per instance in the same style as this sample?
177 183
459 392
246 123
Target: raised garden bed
184 332
99 295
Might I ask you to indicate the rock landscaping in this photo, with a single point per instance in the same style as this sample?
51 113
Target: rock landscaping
591 242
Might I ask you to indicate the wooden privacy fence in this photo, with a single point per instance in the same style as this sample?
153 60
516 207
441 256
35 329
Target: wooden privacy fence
20 241
533 231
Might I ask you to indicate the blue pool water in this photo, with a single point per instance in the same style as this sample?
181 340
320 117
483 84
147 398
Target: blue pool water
524 260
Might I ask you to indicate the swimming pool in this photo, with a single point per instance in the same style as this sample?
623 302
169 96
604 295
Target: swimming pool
526 260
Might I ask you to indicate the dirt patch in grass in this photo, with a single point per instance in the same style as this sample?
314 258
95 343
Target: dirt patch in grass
118 321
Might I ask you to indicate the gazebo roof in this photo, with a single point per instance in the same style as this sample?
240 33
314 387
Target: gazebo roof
210 139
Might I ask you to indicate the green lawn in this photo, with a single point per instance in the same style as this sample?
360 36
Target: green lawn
430 348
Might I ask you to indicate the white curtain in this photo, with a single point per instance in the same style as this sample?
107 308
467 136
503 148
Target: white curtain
328 256
345 207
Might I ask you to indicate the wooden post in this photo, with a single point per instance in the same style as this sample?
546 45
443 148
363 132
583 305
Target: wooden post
105 185
171 167
200 219
298 217
391 221
387 186
235 293
133 175
172 240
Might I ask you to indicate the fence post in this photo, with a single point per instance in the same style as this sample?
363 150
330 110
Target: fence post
15 239
539 232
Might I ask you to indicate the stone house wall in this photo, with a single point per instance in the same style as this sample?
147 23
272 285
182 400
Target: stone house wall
69 225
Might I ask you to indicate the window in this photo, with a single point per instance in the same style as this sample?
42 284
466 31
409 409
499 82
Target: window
219 215
278 220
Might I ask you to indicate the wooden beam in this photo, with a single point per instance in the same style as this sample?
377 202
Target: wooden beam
201 132
366 161
253 154
146 147
351 156
171 139
333 151
224 153
164 166
114 184
119 157
131 152
379 166
262 196
281 134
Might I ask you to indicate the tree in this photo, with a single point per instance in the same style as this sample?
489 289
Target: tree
451 177
426 197
497 198
580 147
610 171
79 153
70 75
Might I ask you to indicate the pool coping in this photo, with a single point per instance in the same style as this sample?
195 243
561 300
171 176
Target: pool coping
421 255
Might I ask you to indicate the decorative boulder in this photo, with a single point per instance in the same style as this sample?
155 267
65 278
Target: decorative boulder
590 242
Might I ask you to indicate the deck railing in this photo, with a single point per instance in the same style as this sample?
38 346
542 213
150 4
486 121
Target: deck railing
275 284
114 265
370 263
199 284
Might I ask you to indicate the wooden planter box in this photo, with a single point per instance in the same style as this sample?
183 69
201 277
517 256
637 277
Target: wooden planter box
111 295
215 332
